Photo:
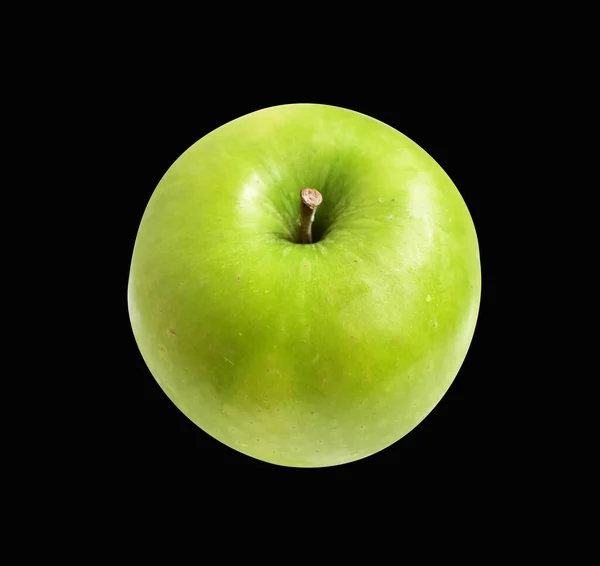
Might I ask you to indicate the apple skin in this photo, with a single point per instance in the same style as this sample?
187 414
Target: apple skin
305 355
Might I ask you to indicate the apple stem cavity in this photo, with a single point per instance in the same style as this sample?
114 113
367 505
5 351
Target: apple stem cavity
311 199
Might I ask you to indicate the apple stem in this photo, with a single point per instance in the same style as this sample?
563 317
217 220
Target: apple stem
311 199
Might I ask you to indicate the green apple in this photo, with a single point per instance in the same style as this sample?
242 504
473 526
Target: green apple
299 351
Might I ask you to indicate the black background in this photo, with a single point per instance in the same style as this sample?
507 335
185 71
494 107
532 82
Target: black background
462 436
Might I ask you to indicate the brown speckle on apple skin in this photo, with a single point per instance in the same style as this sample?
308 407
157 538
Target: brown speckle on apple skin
171 333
